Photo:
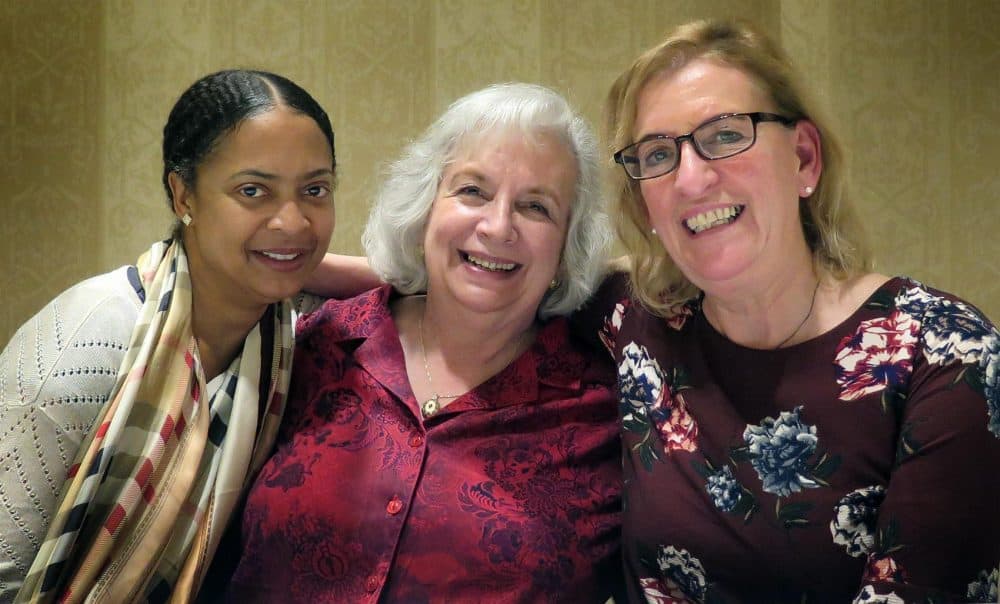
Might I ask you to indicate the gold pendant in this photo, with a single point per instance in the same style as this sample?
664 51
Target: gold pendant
430 406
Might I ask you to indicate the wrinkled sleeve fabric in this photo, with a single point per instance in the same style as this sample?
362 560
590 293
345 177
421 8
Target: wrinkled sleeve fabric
55 375
939 522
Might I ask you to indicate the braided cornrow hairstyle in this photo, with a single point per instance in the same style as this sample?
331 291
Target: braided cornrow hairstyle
216 104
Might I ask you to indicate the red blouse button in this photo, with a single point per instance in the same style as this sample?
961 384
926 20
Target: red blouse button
416 440
395 505
371 584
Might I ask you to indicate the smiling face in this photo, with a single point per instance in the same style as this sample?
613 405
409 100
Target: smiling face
261 208
727 222
496 229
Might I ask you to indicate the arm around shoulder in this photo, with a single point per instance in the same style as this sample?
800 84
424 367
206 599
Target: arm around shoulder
340 276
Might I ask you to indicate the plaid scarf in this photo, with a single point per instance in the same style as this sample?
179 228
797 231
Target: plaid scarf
159 474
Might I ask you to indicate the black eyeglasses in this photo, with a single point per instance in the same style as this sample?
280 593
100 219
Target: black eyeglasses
720 137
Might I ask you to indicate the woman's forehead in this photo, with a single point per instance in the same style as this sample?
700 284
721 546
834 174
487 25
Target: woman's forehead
476 144
685 97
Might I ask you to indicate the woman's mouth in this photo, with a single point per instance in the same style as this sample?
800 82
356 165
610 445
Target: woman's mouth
713 218
278 256
284 259
489 265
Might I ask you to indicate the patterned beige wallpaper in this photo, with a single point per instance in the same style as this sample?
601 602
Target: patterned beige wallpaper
87 86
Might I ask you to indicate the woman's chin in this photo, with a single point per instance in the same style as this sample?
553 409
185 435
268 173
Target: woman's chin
717 275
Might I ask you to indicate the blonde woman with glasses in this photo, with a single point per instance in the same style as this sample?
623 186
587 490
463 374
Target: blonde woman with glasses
796 427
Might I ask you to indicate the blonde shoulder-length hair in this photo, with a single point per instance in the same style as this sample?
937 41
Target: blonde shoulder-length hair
830 223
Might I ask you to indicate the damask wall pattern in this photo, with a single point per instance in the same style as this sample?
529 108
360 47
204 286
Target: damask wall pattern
50 104
88 85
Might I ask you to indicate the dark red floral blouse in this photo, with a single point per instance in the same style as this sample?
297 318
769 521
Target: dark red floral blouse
510 494
861 465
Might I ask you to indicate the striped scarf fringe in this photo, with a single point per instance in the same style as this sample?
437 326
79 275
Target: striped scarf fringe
159 474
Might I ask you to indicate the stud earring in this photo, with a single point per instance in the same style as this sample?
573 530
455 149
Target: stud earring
809 191
653 231
553 284
186 219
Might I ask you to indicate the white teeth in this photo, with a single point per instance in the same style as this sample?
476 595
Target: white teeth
713 218
280 256
493 266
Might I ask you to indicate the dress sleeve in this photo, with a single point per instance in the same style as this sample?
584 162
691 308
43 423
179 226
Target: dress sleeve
55 375
938 526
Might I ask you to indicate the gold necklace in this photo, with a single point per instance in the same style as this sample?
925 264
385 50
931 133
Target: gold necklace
804 319
431 406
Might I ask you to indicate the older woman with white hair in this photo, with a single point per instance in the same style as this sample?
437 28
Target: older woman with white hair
458 445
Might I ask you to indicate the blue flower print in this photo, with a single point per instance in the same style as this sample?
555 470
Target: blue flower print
682 569
984 588
953 331
779 451
868 596
640 382
915 300
652 407
724 489
855 515
990 368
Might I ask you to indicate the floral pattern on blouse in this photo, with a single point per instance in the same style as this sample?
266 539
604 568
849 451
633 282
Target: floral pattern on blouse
726 492
878 358
868 596
884 569
780 451
855 516
609 331
955 332
835 470
984 587
681 579
652 405
512 493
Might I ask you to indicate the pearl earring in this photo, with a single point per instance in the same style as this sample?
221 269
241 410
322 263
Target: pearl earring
186 219
809 191
653 231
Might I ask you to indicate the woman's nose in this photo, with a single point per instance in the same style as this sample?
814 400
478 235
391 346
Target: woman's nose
695 174
497 221
289 217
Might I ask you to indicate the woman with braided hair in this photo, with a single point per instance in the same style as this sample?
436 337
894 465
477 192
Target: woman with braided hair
136 405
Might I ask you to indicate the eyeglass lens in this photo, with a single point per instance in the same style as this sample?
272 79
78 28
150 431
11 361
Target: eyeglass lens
714 140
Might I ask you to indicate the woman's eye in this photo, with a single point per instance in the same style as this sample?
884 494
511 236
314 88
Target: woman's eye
539 207
657 156
728 137
470 190
251 191
317 191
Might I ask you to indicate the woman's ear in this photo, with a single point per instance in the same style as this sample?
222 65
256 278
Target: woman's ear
181 195
809 150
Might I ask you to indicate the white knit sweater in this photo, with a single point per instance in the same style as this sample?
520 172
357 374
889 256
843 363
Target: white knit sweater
55 375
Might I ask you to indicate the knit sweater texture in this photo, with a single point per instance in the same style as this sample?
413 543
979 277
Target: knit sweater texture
55 375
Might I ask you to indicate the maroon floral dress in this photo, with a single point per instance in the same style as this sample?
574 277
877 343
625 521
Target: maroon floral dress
512 493
863 464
